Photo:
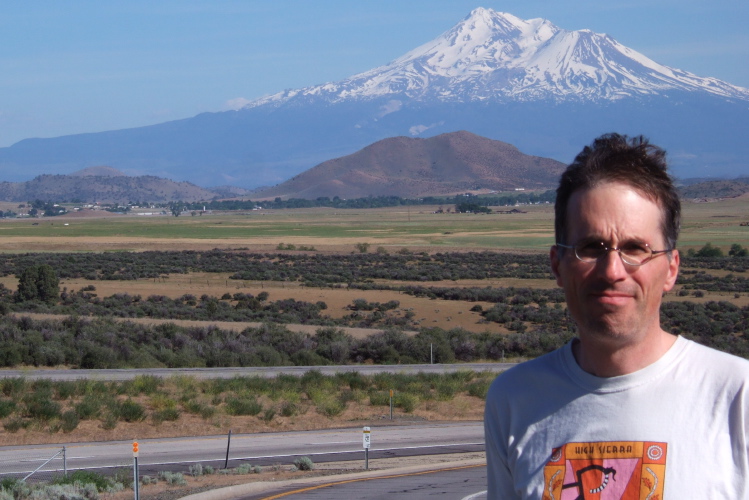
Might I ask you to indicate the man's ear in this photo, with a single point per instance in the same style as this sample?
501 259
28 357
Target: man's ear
555 258
673 271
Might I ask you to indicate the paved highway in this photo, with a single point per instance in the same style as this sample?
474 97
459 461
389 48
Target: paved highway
269 372
461 482
258 449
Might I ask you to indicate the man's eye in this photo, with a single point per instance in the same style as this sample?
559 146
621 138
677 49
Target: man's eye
634 248
592 248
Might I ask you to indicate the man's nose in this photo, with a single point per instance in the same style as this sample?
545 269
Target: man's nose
612 266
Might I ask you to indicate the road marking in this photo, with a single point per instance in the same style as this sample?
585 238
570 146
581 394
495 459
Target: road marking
475 496
348 481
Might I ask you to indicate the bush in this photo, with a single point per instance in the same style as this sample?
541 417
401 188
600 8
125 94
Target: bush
13 425
165 414
379 398
88 408
304 463
101 482
6 407
131 411
289 409
243 406
40 407
479 388
173 478
69 421
330 407
406 402
269 414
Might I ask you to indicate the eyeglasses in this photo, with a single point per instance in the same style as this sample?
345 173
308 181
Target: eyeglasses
632 253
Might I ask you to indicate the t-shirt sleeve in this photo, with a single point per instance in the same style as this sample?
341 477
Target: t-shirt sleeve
500 484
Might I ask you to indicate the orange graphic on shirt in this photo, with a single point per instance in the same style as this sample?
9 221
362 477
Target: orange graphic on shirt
615 470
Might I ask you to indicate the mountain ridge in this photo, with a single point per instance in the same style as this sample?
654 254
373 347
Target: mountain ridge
502 56
408 167
545 90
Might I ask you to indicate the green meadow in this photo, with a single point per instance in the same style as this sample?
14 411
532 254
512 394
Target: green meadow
391 228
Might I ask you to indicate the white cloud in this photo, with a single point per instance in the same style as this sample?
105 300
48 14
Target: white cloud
390 107
420 129
236 103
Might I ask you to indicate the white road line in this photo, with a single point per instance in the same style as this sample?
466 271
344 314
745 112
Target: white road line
475 496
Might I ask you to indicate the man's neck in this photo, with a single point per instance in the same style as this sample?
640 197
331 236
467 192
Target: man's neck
604 360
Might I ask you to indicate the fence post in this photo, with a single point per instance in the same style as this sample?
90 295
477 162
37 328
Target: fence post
64 462
228 444
391 404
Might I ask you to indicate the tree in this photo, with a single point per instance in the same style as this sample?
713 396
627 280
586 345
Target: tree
39 282
176 209
738 251
709 251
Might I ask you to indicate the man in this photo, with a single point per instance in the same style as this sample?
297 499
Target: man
626 410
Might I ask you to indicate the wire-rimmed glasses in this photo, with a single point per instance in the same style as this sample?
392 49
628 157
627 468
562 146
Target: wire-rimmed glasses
634 253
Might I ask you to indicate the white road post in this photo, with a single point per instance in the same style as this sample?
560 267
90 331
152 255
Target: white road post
366 441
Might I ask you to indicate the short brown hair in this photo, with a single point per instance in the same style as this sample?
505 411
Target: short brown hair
632 161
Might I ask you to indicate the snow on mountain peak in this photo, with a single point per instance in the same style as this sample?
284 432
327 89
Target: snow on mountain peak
498 56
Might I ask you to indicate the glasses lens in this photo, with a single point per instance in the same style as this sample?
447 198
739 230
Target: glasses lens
590 252
635 253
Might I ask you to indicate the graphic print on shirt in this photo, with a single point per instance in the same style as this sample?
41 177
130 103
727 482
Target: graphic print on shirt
614 470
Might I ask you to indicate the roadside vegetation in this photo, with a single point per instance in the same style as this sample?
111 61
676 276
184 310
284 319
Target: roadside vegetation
535 319
60 407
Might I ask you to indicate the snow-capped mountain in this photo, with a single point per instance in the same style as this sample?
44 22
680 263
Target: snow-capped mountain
546 90
496 56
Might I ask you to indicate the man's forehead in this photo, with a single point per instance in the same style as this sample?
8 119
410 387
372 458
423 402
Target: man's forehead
612 207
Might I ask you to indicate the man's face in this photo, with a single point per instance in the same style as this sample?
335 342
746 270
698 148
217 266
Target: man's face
609 300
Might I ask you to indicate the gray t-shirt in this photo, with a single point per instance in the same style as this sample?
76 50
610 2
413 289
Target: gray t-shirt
676 429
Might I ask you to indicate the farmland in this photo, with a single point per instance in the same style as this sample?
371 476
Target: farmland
311 287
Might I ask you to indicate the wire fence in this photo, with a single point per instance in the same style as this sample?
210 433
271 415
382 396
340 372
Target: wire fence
33 465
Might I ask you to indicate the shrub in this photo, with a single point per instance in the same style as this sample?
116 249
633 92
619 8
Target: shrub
13 386
173 478
479 388
243 469
330 407
65 389
406 402
131 411
144 384
88 408
196 470
69 421
269 414
379 398
6 407
13 425
101 482
109 421
304 463
165 414
243 406
40 407
289 409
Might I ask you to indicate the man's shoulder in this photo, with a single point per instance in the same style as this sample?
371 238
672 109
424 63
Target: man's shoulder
709 355
715 364
530 373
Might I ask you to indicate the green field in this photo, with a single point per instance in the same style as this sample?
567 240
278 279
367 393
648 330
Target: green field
718 223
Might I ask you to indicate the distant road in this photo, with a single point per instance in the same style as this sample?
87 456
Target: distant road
327 445
268 372
466 482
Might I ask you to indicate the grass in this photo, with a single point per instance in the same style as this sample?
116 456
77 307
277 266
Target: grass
392 228
312 397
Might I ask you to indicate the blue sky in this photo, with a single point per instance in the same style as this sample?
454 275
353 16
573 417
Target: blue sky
85 66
